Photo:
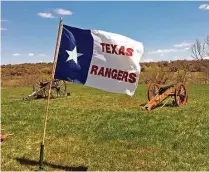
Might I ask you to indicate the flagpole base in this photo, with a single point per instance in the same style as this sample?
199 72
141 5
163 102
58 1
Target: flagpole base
41 160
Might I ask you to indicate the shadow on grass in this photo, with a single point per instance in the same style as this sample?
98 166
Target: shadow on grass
24 161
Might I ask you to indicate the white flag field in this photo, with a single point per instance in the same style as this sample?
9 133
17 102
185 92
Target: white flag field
99 59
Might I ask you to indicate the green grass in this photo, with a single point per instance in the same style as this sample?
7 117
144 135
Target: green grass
104 131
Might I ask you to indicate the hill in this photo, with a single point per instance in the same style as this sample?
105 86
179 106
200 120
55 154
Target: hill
163 72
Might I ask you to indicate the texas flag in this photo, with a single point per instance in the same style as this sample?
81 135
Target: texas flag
99 59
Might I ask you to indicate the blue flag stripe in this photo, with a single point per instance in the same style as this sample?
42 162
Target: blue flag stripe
79 42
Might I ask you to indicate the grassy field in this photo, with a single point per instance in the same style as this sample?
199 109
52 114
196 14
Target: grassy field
95 130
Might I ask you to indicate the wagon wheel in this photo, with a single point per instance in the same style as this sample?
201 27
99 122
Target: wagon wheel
60 87
153 90
37 88
180 94
53 93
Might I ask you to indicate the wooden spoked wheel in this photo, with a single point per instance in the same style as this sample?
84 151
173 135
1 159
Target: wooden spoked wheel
153 90
41 93
60 88
180 94
53 93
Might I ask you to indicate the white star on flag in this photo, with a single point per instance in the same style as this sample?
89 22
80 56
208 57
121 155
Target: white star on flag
73 55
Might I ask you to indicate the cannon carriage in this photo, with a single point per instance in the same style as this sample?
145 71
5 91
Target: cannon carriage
41 89
157 94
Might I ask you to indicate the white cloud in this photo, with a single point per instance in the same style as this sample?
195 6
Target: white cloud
46 15
175 58
183 58
163 51
187 58
30 54
63 11
42 55
147 60
3 29
186 48
15 54
183 44
204 7
4 20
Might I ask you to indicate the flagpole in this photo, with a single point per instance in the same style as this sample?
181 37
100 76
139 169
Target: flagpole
49 94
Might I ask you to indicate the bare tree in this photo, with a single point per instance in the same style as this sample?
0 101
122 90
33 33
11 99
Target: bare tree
200 51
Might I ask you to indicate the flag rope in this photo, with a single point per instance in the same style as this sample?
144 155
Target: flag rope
49 93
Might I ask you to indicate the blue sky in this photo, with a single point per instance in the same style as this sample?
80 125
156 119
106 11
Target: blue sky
166 29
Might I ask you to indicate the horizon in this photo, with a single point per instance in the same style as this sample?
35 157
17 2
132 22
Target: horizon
142 62
166 29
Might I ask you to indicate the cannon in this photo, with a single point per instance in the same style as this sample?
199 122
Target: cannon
157 94
41 89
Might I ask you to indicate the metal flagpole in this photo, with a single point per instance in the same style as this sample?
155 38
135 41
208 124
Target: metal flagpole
49 94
